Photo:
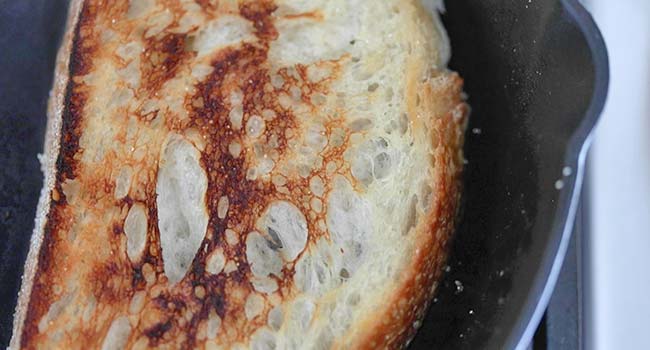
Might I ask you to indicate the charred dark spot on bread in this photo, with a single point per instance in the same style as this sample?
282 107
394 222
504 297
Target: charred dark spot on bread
80 64
157 331
160 59
259 14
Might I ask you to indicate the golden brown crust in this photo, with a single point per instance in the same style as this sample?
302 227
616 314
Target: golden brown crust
78 258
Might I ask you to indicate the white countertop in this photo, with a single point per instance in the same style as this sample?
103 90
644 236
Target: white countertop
618 312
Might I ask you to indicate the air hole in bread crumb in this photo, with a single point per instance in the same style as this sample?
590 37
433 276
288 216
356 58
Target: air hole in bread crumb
181 184
215 262
265 285
129 51
224 31
135 229
362 169
331 167
354 299
231 266
427 194
360 124
277 81
302 313
118 334
403 123
236 114
382 165
411 216
390 127
275 243
316 205
222 207
381 142
231 237
137 302
295 92
318 99
70 189
263 339
278 180
148 273
200 71
324 340
54 311
251 174
265 166
254 306
262 259
286 227
255 126
234 148
275 318
316 186
214 324
199 292
139 8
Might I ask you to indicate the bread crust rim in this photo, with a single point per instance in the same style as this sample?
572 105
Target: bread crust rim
48 159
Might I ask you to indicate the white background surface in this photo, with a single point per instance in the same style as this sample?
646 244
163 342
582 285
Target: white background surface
619 314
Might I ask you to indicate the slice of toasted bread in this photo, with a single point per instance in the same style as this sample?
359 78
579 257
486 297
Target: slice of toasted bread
224 174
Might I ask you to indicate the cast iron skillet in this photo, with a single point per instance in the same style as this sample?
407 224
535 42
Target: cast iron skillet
536 75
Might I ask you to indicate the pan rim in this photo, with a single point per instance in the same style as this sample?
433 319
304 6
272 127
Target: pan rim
562 227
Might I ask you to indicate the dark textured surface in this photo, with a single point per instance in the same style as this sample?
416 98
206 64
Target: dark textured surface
529 75
29 35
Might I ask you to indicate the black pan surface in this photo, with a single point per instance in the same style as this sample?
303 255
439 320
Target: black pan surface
536 75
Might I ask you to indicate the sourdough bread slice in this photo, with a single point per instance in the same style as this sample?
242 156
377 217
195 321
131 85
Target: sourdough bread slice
256 174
